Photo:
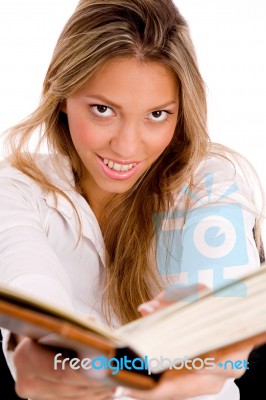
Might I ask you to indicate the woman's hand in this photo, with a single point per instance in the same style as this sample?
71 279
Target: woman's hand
181 385
38 380
184 384
169 296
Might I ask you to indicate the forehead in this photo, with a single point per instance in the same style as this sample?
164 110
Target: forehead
123 79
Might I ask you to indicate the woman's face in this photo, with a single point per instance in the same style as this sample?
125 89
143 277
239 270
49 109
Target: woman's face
120 122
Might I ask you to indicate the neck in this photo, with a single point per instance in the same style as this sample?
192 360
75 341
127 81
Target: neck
97 200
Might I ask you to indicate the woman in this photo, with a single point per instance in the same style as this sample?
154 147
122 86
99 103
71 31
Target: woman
123 113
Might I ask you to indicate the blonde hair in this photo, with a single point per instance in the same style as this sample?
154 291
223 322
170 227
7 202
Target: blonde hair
98 30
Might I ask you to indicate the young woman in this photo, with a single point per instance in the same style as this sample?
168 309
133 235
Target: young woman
88 226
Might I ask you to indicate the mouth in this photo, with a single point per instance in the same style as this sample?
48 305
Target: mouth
118 170
117 166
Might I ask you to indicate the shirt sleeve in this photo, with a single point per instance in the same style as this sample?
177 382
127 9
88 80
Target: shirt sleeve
209 236
27 260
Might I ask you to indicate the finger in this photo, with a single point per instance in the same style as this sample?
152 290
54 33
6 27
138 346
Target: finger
34 387
171 295
33 359
189 385
181 292
233 364
86 397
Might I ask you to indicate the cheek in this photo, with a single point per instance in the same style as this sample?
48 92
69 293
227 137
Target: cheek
83 135
162 141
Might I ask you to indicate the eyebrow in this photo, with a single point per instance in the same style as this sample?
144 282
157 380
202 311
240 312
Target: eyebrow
112 104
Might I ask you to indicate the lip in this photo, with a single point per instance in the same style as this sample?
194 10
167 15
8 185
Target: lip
122 162
118 175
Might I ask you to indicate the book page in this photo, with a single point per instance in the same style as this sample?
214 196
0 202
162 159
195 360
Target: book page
212 322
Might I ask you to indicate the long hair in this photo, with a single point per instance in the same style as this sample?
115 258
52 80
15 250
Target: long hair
99 30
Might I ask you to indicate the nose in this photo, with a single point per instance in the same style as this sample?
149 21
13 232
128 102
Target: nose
126 142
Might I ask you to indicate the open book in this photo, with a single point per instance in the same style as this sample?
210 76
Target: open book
185 329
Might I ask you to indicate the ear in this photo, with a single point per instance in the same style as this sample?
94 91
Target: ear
63 107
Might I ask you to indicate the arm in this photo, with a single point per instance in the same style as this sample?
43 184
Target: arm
220 198
29 262
208 237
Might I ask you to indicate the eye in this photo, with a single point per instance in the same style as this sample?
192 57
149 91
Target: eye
101 110
159 115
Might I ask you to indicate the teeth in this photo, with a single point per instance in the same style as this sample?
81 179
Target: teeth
126 167
118 167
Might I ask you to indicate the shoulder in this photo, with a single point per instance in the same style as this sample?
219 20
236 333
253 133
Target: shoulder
220 167
47 164
226 176
16 187
14 184
219 179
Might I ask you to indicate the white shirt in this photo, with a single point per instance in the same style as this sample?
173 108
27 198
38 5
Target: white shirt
39 251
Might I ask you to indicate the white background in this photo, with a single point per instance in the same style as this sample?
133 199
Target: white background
230 39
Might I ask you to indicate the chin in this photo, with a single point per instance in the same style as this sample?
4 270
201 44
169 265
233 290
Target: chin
119 187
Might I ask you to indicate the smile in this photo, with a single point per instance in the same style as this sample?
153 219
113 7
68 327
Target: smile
118 171
118 167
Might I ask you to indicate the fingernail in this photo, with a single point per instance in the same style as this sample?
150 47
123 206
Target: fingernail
145 307
150 306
